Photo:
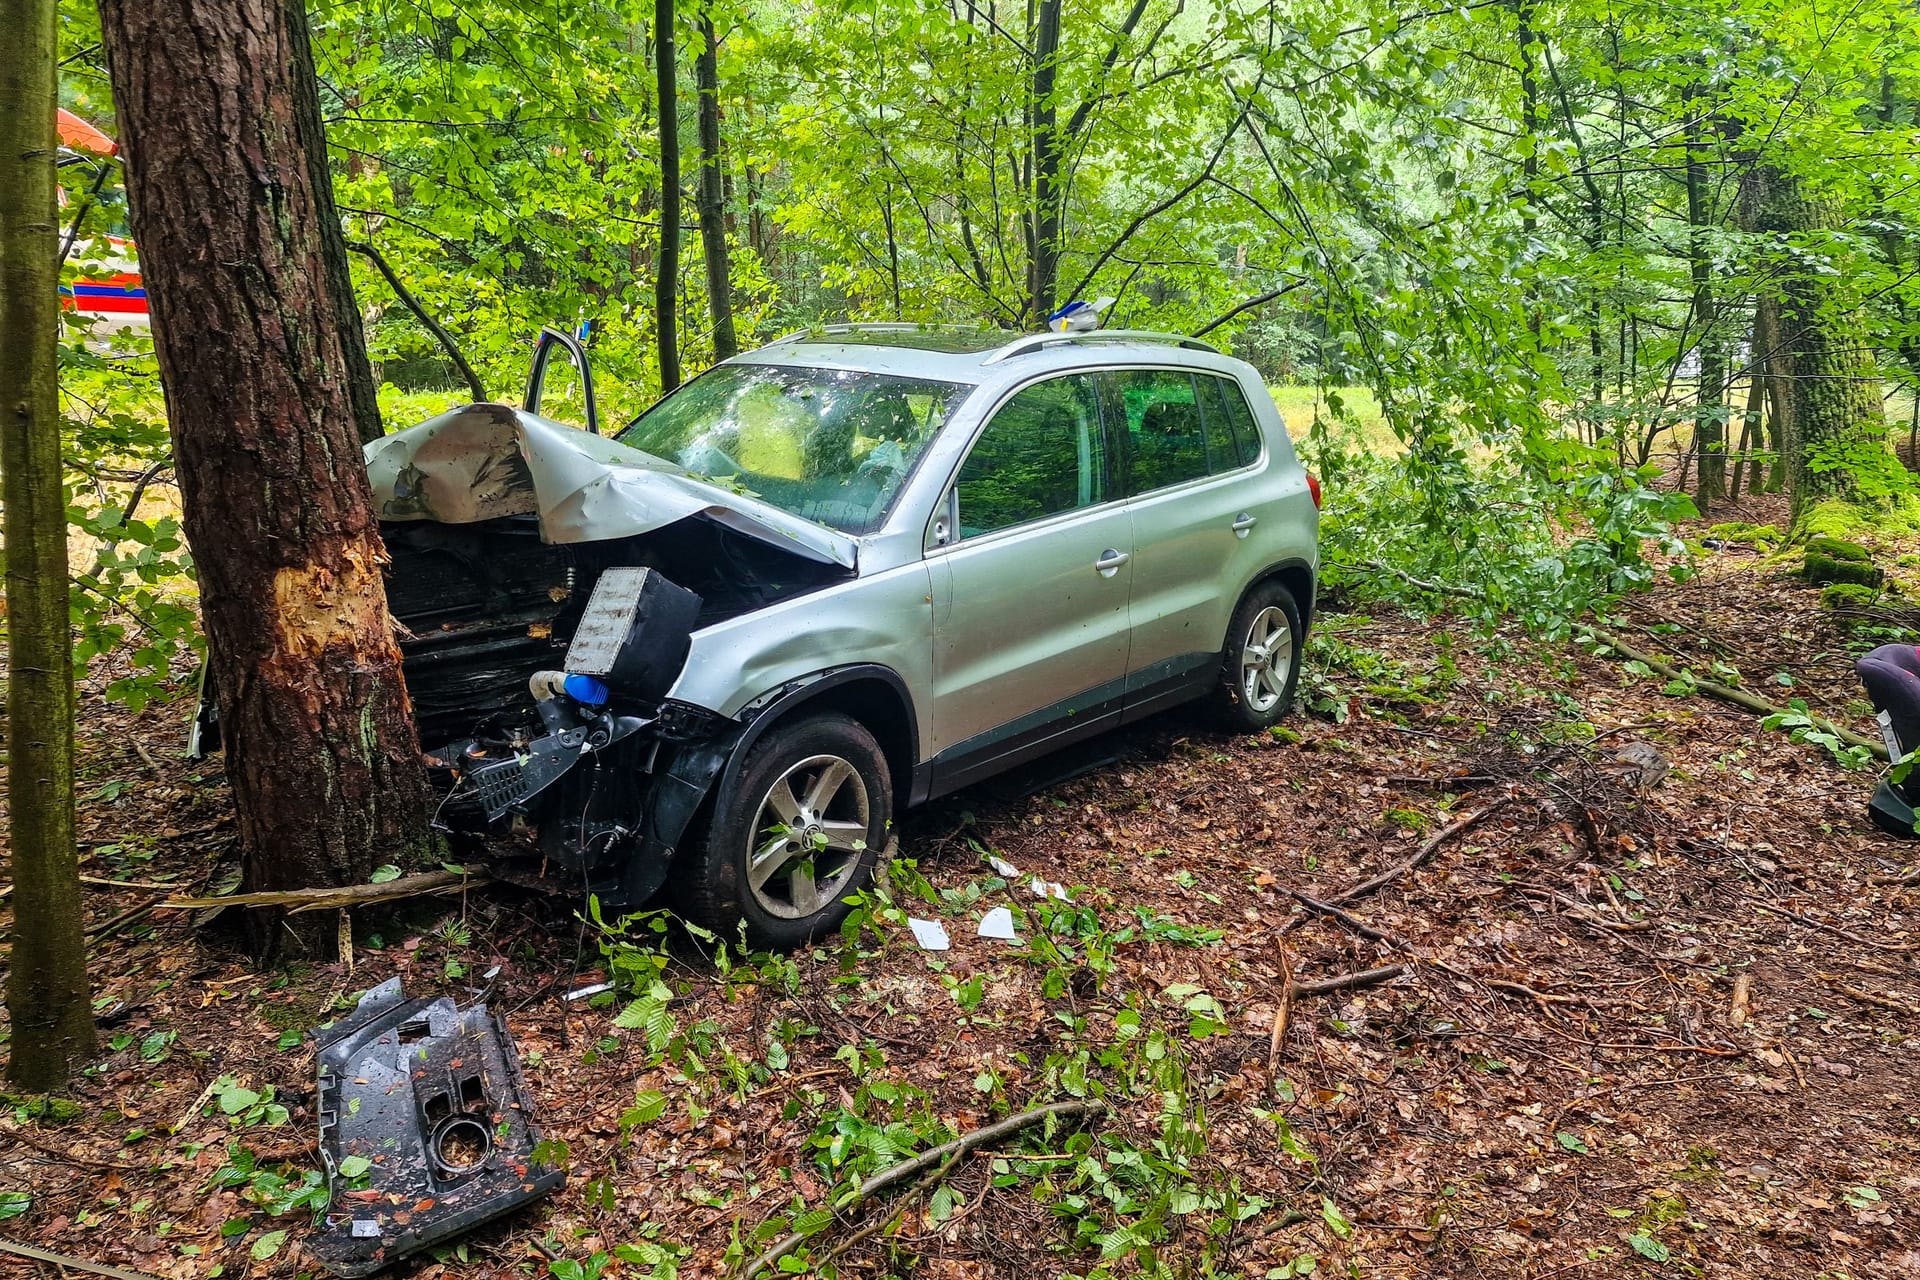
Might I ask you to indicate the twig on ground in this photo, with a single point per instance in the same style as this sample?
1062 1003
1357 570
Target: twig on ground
1742 1006
899 1207
1868 997
106 927
1425 851
1346 918
66 1157
1830 928
1346 982
927 1159
78 1264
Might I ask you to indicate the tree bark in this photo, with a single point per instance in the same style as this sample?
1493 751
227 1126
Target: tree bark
48 999
1709 417
666 280
1044 271
362 392
321 751
1836 422
713 195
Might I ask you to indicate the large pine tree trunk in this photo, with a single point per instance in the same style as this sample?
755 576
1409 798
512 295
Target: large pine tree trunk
321 751
1836 424
47 994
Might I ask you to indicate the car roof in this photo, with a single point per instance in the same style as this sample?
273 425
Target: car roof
964 355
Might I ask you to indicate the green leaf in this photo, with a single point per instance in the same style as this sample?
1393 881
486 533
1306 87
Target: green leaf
267 1245
1647 1247
355 1166
941 1206
384 874
648 1105
234 1099
1337 1221
1571 1141
14 1203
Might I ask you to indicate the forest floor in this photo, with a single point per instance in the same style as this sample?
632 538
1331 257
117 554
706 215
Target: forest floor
1654 1019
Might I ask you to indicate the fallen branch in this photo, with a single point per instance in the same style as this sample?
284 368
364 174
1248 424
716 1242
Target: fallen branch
78 1264
1830 928
1346 918
339 897
880 1223
1725 693
1425 851
1868 997
928 1159
1346 982
1742 1007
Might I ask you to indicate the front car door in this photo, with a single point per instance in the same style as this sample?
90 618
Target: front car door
1187 445
1032 567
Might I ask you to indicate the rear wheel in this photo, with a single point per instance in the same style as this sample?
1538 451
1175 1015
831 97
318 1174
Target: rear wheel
1260 664
794 836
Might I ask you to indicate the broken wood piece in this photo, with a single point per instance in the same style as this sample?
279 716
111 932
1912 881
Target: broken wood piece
341 897
1425 851
906 1169
1741 1008
1282 1012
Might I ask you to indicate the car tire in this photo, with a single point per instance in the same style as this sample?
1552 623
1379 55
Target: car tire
1254 693
816 784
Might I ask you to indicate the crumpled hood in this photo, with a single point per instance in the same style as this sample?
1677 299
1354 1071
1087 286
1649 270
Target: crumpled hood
485 461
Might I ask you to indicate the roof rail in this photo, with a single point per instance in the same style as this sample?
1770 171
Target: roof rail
1035 341
871 326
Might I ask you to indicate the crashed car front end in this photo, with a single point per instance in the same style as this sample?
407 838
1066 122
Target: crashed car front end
548 584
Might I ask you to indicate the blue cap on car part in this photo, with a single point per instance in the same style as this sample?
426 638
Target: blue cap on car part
585 690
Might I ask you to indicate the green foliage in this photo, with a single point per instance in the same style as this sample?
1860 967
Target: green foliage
1847 595
1825 569
1757 535
1838 549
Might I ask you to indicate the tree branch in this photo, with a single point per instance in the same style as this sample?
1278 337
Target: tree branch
366 250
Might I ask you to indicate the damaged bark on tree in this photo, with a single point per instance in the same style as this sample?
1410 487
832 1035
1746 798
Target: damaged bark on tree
320 746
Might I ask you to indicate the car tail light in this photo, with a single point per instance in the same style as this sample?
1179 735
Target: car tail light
1313 487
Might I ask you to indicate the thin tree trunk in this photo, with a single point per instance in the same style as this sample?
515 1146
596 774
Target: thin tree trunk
48 999
363 392
1709 424
321 751
1750 435
1045 163
713 195
666 279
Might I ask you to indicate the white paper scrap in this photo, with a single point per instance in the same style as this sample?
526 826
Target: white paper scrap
1047 889
930 934
998 923
1001 867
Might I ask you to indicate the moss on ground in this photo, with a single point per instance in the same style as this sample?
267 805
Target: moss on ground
1825 569
1754 535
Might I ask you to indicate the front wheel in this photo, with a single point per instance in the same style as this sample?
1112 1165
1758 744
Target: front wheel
794 836
1260 664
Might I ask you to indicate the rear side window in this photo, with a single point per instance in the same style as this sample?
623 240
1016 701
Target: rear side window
1233 439
1043 453
1165 430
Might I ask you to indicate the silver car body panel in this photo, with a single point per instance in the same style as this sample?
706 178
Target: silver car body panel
485 461
996 634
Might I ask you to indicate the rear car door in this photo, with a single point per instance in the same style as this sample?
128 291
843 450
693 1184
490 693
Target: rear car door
1187 451
1032 567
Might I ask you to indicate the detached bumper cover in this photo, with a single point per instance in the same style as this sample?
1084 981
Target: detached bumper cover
431 1097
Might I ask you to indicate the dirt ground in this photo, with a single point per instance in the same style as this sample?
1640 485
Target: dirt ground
1654 1016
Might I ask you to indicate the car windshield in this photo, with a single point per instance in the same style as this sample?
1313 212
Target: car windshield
832 445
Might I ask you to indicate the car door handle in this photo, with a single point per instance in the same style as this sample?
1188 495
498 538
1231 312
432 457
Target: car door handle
1110 561
1244 522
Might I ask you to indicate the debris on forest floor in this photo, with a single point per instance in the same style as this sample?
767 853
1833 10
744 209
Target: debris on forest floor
426 1129
1619 1024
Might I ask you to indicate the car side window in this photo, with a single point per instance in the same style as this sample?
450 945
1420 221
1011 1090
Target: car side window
1233 438
1166 435
1042 453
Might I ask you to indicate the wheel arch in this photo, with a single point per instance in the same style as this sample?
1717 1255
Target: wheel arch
1300 580
874 696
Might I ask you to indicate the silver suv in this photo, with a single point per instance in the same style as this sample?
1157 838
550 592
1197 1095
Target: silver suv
825 580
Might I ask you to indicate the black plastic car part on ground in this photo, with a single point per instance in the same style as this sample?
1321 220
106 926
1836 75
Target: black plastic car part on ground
426 1128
